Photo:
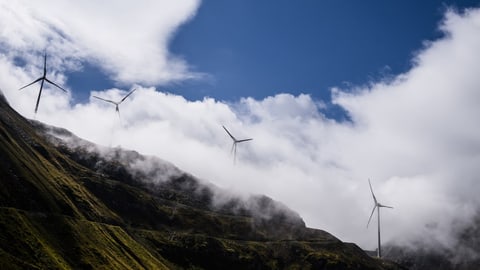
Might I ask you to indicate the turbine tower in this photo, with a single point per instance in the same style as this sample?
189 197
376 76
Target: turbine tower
43 79
234 145
115 102
376 206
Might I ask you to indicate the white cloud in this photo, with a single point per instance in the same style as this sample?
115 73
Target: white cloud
416 136
128 39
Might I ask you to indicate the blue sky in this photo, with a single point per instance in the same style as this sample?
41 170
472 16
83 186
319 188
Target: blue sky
413 131
256 49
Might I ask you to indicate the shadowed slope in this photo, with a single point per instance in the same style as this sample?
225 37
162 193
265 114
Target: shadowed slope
48 218
75 205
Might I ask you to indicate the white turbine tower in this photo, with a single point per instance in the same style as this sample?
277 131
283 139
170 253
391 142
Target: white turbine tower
234 145
376 206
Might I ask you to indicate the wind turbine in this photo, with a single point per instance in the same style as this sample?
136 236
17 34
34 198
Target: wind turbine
43 79
116 103
377 206
234 145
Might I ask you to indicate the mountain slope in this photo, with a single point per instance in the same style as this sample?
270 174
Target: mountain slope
463 255
66 203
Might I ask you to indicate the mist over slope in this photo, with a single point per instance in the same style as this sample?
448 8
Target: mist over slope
66 205
415 135
160 176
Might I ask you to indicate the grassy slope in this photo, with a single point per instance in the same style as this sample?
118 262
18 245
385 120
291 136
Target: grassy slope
58 213
56 241
48 219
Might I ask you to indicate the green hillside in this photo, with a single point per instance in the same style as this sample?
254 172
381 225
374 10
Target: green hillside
76 206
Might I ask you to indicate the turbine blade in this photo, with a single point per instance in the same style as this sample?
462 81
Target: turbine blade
31 83
235 154
244 140
229 134
127 95
233 146
371 189
45 64
371 215
55 85
107 100
386 206
39 95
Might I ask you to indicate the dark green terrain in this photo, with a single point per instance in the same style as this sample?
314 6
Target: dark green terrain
78 206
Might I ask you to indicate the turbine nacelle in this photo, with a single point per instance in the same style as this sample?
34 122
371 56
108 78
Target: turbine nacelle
235 142
116 103
377 207
43 79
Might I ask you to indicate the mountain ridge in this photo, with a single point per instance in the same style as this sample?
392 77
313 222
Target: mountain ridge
72 207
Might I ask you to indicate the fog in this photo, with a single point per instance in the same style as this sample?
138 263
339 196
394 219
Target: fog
416 135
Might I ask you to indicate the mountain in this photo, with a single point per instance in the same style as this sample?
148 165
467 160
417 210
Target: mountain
464 254
70 204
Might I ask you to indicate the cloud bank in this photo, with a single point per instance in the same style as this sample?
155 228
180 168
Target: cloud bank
416 136
127 39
